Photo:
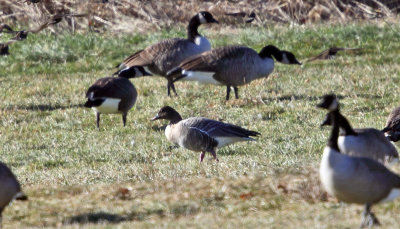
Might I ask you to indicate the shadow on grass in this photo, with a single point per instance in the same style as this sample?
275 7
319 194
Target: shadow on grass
100 217
42 107
304 97
104 217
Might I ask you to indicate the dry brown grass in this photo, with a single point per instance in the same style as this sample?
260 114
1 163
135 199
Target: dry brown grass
129 16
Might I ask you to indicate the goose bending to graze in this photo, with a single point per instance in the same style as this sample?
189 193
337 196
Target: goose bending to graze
111 95
161 57
392 129
357 180
365 142
231 66
201 134
10 188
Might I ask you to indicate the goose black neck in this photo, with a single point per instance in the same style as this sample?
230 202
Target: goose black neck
333 139
345 125
194 24
269 51
175 118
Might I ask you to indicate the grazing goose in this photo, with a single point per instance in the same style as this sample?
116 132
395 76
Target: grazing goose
201 134
161 57
365 142
357 180
231 66
10 188
392 129
111 95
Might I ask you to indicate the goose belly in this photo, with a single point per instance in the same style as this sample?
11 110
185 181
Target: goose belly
109 106
334 175
201 77
7 193
224 141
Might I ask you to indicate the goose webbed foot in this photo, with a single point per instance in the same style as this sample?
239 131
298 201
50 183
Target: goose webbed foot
368 218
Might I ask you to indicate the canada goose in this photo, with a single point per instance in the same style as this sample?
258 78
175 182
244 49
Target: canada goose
54 19
201 134
392 129
351 179
161 57
365 142
330 53
10 188
111 95
250 17
5 27
4 50
231 66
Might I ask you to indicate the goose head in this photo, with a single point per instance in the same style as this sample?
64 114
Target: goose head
168 113
329 102
206 17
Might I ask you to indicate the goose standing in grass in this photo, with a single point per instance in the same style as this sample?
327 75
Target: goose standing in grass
161 57
351 179
231 66
10 188
392 129
365 142
201 134
111 95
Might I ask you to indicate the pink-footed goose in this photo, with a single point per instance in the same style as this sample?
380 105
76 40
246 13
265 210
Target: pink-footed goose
201 134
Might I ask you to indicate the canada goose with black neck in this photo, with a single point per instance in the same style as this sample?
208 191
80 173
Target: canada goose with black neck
201 134
161 57
111 95
363 142
351 179
231 66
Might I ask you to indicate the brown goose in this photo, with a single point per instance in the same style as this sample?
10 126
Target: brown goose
231 66
330 53
365 142
161 57
357 180
392 129
111 95
10 188
201 134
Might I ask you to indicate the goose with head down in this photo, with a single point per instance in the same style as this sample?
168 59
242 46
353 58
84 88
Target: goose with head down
201 134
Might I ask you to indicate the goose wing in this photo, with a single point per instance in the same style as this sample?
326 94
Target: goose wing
219 129
148 55
211 61
111 87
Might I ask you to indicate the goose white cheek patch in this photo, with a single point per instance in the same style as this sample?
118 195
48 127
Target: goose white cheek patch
202 19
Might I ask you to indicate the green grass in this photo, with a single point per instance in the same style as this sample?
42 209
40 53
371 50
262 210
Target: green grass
76 175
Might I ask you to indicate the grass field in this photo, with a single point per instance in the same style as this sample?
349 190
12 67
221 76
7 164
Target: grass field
79 177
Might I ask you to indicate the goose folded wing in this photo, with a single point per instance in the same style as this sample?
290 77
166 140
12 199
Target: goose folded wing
219 129
211 61
148 55
109 87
